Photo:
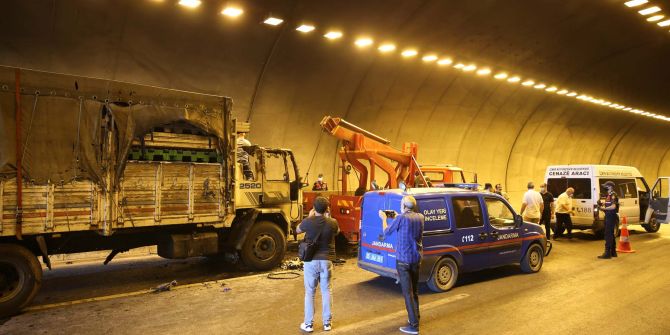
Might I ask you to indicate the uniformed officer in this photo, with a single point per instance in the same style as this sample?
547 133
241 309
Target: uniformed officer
611 208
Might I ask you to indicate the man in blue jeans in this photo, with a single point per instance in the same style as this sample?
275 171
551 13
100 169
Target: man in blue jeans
320 269
409 248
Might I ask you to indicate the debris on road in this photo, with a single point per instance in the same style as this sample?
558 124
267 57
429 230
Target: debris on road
164 287
292 264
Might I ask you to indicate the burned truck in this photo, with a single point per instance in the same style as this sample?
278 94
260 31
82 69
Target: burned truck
89 164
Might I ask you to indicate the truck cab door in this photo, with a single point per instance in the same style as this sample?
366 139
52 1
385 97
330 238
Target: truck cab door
276 178
660 196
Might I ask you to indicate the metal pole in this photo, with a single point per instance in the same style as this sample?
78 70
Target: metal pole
19 177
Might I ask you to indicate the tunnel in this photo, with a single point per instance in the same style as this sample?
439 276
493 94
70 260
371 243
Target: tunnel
284 81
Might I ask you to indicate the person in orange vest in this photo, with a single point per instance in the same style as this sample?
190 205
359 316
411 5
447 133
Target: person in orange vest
319 184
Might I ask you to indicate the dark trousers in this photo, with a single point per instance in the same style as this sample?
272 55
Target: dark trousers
408 275
563 220
546 220
610 222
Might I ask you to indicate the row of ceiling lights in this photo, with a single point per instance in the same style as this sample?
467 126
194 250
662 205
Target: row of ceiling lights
363 42
653 13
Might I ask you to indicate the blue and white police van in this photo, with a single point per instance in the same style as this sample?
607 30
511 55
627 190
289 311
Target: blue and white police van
464 231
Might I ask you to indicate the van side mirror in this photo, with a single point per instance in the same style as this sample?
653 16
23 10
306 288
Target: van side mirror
518 220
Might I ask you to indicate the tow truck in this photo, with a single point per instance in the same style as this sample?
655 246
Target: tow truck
364 152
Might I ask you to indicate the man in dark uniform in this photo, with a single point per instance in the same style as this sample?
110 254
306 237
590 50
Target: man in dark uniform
548 211
319 184
611 208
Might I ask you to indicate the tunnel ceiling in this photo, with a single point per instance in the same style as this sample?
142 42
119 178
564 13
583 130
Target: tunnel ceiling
284 81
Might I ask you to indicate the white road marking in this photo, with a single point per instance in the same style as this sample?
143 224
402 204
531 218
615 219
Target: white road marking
397 316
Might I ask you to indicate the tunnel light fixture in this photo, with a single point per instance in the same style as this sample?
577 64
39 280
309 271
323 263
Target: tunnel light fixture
386 47
514 79
484 72
305 28
469 68
528 83
664 23
571 94
627 109
655 18
333 35
429 58
409 53
562 92
649 10
273 21
190 3
551 89
232 11
459 66
445 61
635 3
539 86
620 107
364 42
500 75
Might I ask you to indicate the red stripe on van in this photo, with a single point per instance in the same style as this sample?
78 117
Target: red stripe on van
485 244
376 247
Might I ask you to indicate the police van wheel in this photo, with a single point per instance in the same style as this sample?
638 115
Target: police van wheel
264 247
532 261
653 226
20 278
444 276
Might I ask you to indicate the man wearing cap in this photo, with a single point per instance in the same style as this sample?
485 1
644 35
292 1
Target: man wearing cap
408 227
611 208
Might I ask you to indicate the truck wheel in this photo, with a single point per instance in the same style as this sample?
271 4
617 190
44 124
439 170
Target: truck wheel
533 259
653 225
264 247
444 276
20 278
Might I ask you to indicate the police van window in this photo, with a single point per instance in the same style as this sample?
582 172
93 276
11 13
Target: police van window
435 214
467 212
500 215
624 188
582 186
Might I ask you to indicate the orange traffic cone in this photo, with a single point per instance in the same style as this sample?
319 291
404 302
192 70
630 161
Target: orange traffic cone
624 243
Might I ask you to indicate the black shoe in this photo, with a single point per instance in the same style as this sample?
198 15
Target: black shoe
569 236
605 256
409 330
613 254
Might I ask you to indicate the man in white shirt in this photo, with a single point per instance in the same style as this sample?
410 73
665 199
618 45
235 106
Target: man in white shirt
563 212
533 205
243 155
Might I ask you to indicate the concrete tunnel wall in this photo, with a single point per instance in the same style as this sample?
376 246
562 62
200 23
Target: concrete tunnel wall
284 82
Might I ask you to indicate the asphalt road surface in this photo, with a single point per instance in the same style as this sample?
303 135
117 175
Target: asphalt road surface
574 293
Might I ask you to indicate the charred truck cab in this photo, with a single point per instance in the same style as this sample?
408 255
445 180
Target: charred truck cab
464 231
114 166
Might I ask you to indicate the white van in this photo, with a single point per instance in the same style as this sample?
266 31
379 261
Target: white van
630 186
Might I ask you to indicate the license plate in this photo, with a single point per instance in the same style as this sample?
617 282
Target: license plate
374 257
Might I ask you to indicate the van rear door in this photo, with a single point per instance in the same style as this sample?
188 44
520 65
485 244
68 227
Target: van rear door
660 199
582 201
376 253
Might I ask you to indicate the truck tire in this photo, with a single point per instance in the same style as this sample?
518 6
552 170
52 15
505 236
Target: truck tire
264 247
653 226
533 259
20 278
444 276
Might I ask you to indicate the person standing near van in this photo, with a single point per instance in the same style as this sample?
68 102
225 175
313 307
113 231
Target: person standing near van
319 271
409 250
548 212
532 205
563 212
499 191
611 208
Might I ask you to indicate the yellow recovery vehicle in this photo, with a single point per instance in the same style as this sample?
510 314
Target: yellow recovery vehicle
89 164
